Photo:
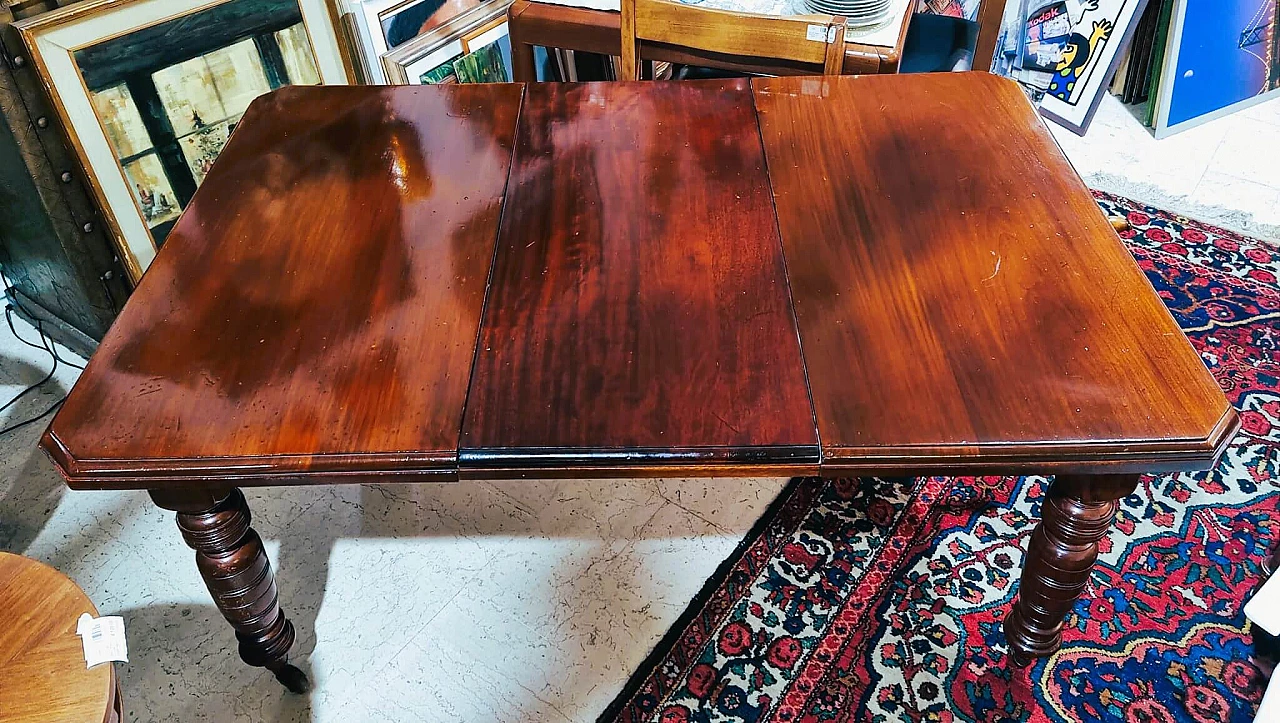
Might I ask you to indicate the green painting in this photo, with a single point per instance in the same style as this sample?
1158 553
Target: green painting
442 73
483 66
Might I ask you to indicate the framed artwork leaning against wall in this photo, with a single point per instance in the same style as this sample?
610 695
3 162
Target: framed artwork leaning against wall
149 91
1065 52
473 47
384 25
1223 55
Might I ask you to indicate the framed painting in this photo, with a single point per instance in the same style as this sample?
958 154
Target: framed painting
1065 52
1223 55
149 91
473 47
384 25
966 9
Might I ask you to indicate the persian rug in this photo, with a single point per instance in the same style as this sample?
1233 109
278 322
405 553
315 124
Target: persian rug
882 599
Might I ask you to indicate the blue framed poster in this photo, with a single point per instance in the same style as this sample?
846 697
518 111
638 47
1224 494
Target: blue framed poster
1222 56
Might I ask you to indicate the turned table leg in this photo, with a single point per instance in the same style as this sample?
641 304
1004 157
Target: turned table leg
234 565
1075 515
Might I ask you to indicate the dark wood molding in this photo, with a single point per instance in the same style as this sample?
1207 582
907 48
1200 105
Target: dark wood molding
990 16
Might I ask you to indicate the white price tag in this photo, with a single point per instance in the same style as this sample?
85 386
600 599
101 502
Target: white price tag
817 33
103 639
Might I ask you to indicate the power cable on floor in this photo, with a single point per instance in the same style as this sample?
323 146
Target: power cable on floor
48 345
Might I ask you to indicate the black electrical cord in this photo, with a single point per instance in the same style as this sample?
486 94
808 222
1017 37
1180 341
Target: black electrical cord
47 344
24 393
33 387
46 341
34 419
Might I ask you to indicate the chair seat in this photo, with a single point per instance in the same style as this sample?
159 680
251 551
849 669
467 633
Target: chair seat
697 72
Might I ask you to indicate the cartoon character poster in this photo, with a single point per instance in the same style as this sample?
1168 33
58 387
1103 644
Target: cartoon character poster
1064 52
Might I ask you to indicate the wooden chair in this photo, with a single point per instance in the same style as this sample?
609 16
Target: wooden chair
940 43
990 15
802 39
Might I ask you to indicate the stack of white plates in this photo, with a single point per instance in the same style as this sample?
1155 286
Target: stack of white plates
859 13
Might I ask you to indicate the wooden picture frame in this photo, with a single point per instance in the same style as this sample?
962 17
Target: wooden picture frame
123 78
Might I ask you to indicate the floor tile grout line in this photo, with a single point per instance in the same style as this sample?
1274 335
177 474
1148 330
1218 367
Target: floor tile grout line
1216 150
427 622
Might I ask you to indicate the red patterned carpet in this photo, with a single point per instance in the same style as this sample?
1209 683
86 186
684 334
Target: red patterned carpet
881 600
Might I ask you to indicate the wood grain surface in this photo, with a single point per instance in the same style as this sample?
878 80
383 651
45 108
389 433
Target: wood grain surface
638 312
963 303
43 677
314 311
740 36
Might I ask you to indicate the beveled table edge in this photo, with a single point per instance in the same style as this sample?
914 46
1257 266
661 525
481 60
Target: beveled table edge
248 470
1130 456
955 460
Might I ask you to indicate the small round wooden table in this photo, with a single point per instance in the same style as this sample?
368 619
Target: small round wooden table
41 658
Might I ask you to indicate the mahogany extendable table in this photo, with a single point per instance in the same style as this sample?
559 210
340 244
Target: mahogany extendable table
786 276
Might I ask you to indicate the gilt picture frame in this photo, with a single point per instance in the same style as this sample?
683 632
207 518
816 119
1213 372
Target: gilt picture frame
384 25
472 47
148 91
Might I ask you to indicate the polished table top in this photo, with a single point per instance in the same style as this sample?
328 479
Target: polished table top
782 276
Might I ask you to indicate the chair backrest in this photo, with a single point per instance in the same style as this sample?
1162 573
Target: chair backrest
811 39
990 15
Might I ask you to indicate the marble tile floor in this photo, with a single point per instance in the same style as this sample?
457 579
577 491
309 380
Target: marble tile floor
510 601
1225 172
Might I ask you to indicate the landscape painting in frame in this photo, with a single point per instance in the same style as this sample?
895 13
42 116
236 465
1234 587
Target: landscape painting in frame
1222 56
151 90
1064 52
